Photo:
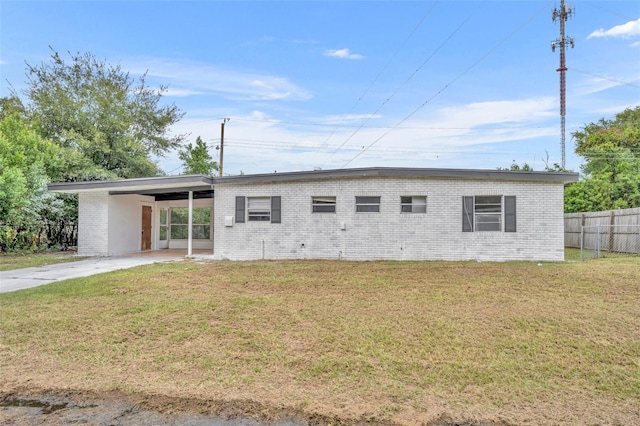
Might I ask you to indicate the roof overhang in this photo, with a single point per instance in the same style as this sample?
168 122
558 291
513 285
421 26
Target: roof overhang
502 175
204 184
144 186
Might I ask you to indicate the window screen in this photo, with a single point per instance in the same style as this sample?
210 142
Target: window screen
367 204
414 204
488 212
259 209
323 204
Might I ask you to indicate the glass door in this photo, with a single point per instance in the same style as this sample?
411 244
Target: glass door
163 238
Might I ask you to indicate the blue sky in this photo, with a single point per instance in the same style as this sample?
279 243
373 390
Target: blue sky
331 84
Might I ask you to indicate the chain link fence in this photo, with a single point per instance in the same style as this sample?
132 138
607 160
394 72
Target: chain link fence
609 240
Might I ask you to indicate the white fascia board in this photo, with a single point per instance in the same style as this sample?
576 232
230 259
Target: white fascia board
186 183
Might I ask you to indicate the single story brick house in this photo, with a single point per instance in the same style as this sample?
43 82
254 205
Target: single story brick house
352 214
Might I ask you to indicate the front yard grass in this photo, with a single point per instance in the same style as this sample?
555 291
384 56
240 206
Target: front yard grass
398 342
9 261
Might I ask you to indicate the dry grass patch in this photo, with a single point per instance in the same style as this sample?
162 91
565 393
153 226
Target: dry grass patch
406 342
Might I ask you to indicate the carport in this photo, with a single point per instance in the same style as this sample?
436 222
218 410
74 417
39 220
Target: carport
123 216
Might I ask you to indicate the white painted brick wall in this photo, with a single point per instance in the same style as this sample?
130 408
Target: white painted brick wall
93 214
391 234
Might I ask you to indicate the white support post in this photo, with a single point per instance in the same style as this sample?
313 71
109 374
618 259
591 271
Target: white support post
190 232
213 223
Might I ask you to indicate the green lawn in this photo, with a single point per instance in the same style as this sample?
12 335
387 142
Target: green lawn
399 342
20 260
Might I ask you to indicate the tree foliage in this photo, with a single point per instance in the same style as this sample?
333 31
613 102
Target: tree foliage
11 105
112 119
25 161
611 172
82 119
622 132
515 167
196 159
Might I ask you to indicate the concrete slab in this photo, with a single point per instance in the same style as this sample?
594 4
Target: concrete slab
19 279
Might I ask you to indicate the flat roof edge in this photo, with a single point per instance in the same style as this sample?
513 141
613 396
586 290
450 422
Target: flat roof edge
563 177
168 182
197 182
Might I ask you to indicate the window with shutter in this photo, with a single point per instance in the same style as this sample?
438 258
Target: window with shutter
488 213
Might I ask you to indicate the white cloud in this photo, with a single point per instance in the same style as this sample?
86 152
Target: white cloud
599 83
610 110
350 119
592 85
179 93
342 53
462 136
627 30
188 78
496 112
635 44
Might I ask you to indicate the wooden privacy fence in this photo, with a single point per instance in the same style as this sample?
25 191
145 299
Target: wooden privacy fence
611 230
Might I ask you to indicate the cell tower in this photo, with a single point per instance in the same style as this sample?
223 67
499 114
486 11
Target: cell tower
562 14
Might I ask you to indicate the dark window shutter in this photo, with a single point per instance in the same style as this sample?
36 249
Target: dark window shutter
510 213
467 214
275 209
240 209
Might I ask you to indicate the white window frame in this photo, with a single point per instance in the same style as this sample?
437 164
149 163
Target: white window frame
488 210
323 204
367 204
416 204
163 227
259 209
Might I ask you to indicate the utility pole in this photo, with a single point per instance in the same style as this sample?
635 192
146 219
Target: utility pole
224 120
562 14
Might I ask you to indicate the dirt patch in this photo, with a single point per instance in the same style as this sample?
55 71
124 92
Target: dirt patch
60 408
115 408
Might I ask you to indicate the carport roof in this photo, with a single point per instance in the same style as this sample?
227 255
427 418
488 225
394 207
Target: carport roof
152 185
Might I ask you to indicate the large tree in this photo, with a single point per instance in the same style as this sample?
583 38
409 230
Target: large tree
114 120
196 159
27 163
611 171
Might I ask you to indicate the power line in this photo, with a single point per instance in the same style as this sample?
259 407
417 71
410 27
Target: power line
606 9
606 78
402 85
310 123
446 86
309 148
206 120
381 72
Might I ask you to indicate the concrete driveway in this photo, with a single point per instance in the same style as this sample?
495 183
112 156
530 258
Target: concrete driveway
19 279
